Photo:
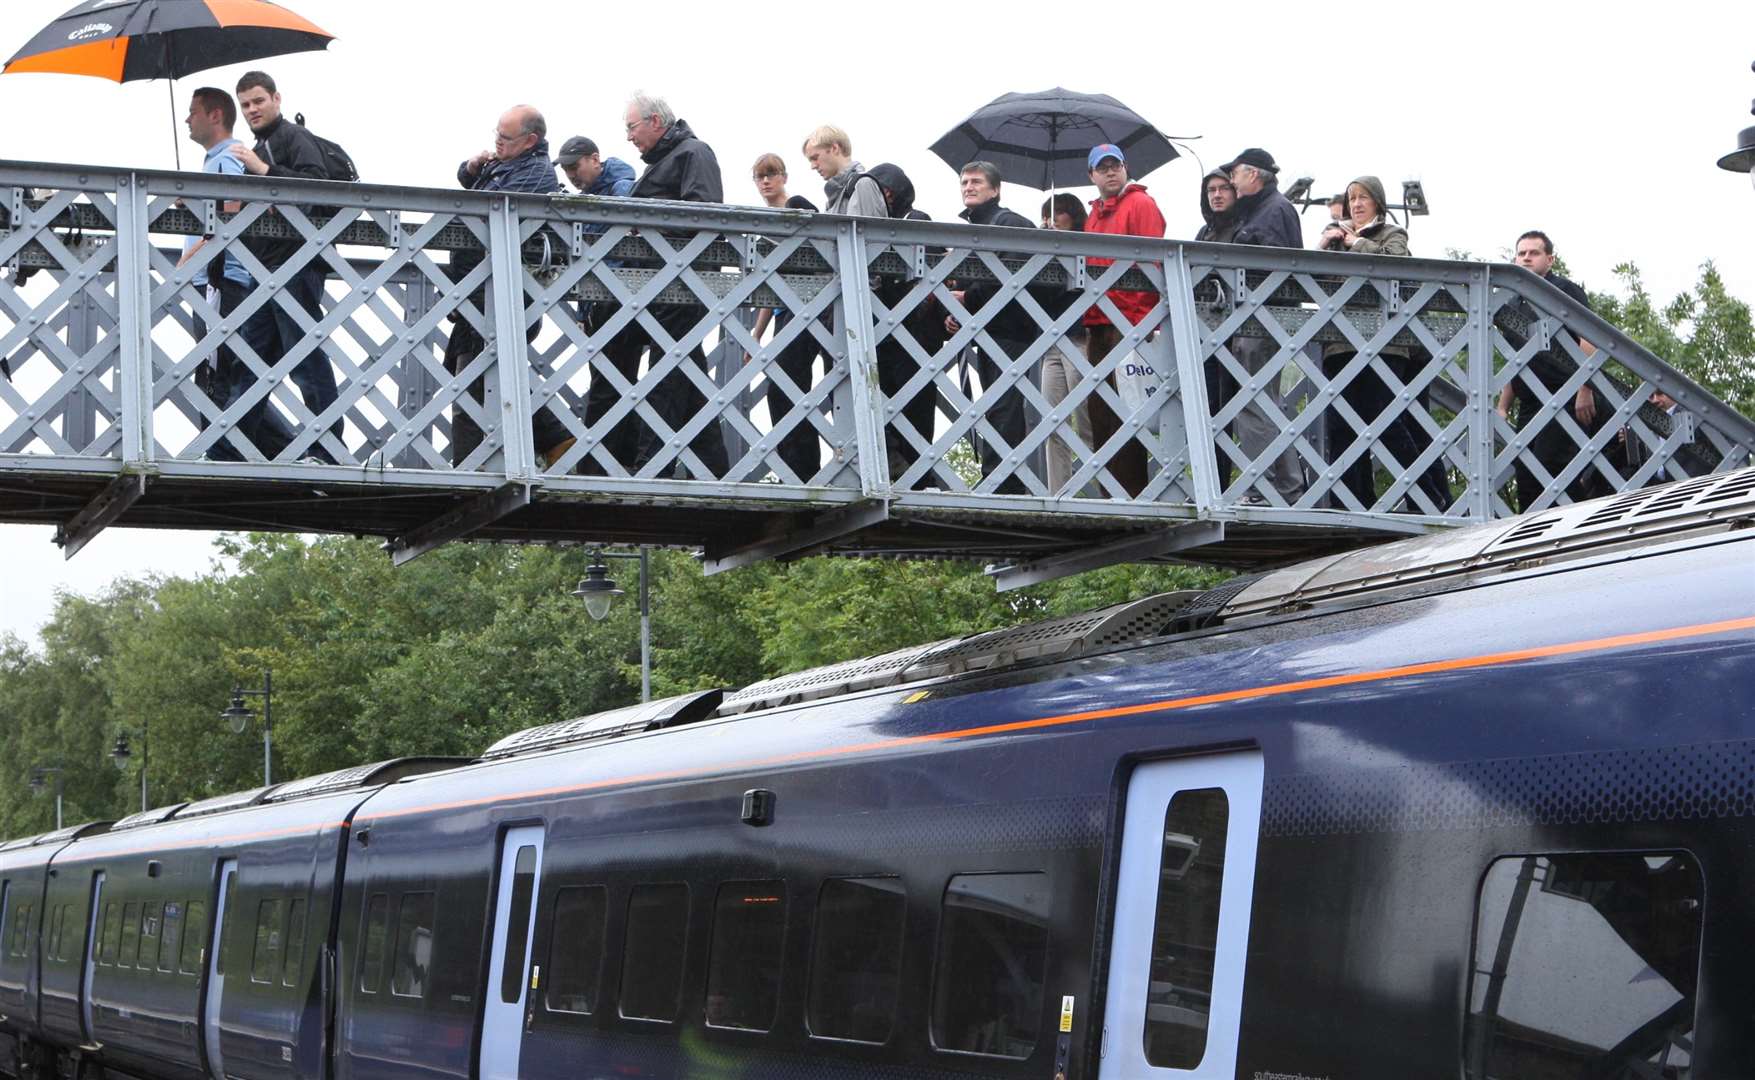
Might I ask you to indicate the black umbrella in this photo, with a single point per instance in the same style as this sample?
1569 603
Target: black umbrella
126 40
1041 140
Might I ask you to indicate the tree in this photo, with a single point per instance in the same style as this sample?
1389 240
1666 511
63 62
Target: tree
1703 332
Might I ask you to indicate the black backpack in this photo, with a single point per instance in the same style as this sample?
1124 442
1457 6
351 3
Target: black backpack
336 161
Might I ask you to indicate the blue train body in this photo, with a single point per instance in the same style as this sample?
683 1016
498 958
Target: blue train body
1421 812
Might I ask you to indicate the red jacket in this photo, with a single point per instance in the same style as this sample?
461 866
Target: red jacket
1131 213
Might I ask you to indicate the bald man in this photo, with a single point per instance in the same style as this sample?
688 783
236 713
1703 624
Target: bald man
518 161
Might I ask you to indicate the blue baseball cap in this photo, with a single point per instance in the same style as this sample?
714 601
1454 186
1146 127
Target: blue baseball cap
1101 151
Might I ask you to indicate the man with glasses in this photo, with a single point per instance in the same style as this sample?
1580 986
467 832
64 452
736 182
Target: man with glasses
681 167
517 162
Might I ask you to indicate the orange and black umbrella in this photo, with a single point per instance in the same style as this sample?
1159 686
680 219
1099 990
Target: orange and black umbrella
125 40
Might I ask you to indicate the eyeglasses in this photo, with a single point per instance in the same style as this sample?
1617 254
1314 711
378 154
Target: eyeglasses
500 136
635 125
759 177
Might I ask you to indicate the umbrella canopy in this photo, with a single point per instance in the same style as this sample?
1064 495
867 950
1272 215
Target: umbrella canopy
126 40
1040 140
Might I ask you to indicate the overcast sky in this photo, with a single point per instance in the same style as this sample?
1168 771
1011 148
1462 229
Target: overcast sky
1599 123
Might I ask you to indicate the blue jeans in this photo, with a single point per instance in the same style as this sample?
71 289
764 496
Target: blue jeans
274 332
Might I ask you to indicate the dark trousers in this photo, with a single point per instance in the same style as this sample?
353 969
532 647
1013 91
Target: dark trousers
1128 464
226 378
546 430
279 333
895 367
676 399
801 447
1404 437
1555 449
1006 415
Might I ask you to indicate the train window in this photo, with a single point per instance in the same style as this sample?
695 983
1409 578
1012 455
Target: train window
151 915
518 925
130 935
53 946
575 958
112 939
227 910
21 931
295 944
172 938
1585 965
194 928
992 960
372 943
856 959
265 958
746 954
1185 929
414 945
652 954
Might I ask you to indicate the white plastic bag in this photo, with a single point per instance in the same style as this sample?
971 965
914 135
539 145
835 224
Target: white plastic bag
1139 386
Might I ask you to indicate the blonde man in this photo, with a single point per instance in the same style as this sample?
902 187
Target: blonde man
846 188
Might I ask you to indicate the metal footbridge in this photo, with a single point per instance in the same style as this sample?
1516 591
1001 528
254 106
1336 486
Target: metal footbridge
1305 402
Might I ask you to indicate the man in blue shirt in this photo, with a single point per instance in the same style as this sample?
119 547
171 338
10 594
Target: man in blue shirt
212 115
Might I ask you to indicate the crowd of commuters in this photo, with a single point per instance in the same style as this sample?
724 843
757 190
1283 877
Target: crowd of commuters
1240 203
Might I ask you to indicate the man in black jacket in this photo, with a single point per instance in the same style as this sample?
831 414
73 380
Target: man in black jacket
678 166
1012 328
517 162
287 149
1262 217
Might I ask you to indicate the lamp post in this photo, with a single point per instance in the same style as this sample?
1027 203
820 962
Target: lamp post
238 716
598 590
1742 159
39 782
121 755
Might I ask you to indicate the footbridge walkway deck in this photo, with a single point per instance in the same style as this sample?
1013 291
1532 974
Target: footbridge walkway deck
577 370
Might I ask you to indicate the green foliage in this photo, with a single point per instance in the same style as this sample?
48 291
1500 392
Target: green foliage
1704 332
442 656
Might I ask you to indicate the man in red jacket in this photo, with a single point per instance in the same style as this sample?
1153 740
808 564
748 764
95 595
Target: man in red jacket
1122 208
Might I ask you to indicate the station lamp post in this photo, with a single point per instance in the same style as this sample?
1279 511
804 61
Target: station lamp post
1742 159
599 591
121 754
238 716
39 783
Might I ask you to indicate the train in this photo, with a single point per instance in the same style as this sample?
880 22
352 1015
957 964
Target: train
1477 804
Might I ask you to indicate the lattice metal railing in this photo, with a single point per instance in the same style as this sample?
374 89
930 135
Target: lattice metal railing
610 348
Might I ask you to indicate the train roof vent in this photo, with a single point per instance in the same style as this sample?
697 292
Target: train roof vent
831 680
1068 636
219 804
1704 504
147 817
358 776
668 712
21 842
72 832
1706 501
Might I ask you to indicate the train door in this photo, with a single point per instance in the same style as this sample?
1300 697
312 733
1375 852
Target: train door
1182 918
216 971
92 922
508 988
